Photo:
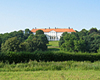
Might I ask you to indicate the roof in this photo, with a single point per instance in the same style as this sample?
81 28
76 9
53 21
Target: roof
56 30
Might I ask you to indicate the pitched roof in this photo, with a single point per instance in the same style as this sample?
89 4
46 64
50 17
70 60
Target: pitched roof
56 30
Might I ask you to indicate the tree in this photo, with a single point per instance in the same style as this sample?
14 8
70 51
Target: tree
34 42
18 34
80 45
42 38
83 33
93 30
5 36
41 41
68 46
12 44
66 42
0 43
28 45
27 33
30 37
61 41
92 42
38 32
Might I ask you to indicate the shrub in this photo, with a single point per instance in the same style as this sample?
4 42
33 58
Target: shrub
47 56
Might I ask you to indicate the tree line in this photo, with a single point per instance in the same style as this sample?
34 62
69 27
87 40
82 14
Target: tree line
23 41
79 41
82 41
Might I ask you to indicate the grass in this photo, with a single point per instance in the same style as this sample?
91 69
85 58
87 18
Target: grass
53 43
53 46
51 75
45 66
66 70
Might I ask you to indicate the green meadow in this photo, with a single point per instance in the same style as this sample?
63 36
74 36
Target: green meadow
53 46
65 70
51 75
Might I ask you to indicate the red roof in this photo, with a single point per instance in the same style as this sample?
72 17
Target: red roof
56 30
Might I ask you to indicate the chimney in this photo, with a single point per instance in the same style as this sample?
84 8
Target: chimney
35 27
45 28
49 27
68 27
55 27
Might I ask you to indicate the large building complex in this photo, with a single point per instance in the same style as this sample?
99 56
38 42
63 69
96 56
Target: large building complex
54 34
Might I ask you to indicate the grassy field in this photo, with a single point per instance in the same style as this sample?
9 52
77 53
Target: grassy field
67 70
52 75
53 45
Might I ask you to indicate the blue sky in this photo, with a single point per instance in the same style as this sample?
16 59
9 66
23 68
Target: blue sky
21 14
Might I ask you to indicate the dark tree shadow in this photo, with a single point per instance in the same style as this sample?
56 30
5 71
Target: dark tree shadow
53 49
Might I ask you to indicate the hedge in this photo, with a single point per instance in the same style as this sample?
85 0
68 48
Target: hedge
47 56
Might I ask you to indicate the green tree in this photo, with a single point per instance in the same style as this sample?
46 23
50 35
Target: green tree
85 41
61 41
42 38
34 42
27 33
28 46
12 44
66 42
41 41
19 35
30 37
68 46
93 30
80 45
0 43
38 32
93 42
5 36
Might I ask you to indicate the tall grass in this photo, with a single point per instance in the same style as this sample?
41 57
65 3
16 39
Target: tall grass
44 66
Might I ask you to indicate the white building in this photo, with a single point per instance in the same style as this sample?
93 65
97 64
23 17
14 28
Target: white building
54 34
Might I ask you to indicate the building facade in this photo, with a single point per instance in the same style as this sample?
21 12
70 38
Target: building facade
54 34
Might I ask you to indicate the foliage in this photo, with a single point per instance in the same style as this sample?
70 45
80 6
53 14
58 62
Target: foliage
80 45
27 33
12 44
44 66
42 38
40 42
18 34
84 41
93 42
0 43
38 32
30 37
92 30
24 41
28 46
47 56
68 46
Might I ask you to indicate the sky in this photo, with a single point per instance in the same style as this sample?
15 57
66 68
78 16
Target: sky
18 15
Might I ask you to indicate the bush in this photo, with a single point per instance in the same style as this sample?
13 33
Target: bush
47 56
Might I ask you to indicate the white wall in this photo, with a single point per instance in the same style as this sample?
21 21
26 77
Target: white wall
54 35
59 34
